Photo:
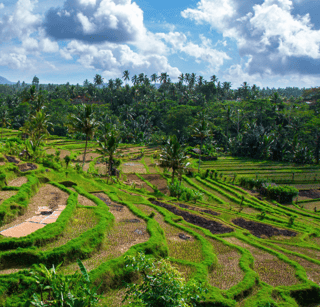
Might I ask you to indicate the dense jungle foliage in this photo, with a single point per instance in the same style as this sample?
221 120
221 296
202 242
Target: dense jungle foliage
278 124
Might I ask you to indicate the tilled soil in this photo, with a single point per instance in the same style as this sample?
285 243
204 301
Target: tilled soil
208 211
310 193
260 230
12 159
213 226
158 181
27 167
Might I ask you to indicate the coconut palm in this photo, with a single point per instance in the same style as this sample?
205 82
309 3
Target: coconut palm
134 79
201 130
172 155
141 78
98 80
109 141
4 118
154 77
84 121
214 79
125 76
164 77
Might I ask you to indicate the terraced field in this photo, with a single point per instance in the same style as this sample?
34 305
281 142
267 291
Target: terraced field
245 258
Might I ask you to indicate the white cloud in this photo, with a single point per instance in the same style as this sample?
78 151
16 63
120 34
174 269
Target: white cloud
214 12
268 32
87 26
112 59
295 35
1 6
202 53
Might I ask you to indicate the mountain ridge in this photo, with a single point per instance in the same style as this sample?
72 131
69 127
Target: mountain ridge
5 81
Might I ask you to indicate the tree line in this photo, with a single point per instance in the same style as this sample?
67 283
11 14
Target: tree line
277 124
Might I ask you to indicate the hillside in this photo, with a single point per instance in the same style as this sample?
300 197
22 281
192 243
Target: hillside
5 81
248 249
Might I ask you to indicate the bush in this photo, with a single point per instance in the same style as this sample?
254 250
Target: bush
283 194
162 285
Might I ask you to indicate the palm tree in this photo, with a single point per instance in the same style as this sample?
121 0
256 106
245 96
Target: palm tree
118 83
200 81
187 77
164 77
141 78
84 122
125 76
181 77
214 79
202 131
134 79
98 80
154 77
172 155
4 118
109 141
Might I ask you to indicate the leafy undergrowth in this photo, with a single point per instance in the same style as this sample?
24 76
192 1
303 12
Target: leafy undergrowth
103 222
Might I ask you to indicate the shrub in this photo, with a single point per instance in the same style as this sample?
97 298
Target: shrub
283 194
162 285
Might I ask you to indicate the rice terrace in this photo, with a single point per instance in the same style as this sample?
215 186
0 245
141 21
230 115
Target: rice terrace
245 247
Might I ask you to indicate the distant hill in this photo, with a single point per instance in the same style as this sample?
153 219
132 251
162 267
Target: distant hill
5 81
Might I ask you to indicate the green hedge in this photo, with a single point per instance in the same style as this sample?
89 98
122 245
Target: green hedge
284 194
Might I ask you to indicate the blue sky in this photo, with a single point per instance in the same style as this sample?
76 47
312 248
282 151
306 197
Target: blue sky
273 43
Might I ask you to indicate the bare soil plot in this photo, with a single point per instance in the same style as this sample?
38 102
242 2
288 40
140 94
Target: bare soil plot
261 230
150 165
309 194
312 205
27 167
133 167
158 181
6 194
89 156
134 179
312 253
180 243
270 269
312 269
84 201
63 152
18 182
213 226
227 273
48 195
120 238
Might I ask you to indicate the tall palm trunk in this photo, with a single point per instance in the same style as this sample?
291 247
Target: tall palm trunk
85 151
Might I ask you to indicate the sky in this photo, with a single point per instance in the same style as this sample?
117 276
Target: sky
274 43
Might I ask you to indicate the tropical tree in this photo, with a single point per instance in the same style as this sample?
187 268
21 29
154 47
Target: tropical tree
125 76
84 121
154 77
37 128
173 155
201 130
98 80
109 140
4 118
